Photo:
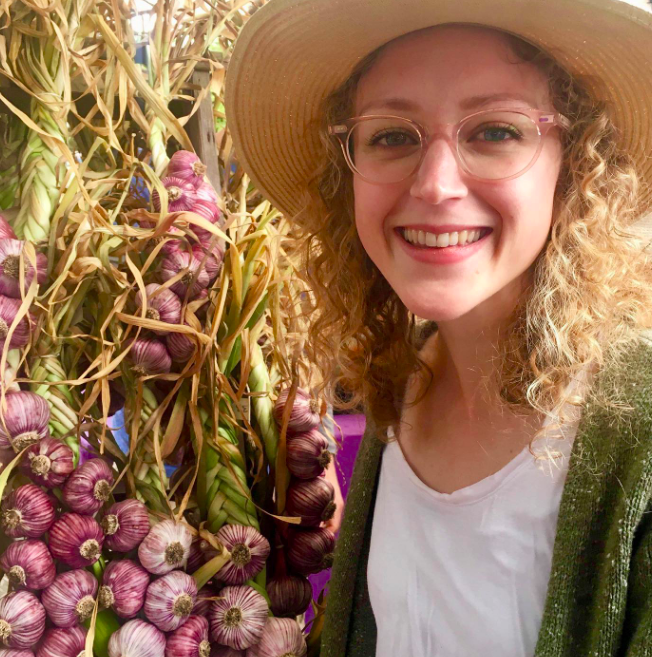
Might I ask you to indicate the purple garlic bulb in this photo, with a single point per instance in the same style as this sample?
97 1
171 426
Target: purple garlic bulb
28 564
22 620
48 463
89 487
76 540
249 550
136 638
25 420
63 642
189 640
123 589
125 524
169 600
238 617
70 599
165 548
27 512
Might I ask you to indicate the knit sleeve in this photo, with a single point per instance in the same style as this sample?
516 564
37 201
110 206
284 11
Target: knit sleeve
637 630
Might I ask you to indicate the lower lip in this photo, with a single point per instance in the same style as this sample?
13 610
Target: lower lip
445 255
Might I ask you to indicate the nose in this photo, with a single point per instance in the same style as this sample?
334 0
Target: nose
439 176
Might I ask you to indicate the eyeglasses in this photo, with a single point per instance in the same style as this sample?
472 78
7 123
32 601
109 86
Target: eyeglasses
496 144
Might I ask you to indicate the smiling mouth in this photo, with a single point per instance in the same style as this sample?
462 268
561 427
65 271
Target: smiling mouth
426 240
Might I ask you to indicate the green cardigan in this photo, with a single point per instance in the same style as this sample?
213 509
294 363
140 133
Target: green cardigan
599 600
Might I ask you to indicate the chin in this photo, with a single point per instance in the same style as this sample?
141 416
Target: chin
441 310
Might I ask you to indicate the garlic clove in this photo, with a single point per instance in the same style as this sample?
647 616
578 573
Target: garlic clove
27 512
238 617
169 600
25 420
249 550
282 637
125 525
89 487
307 454
76 540
310 550
165 547
136 638
63 642
124 584
22 620
70 599
48 463
28 564
312 500
189 640
305 413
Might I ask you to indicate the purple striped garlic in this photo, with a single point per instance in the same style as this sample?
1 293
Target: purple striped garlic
185 165
27 512
6 231
166 547
289 595
136 638
28 564
282 637
305 413
307 454
63 642
212 263
180 346
312 500
189 640
310 550
249 550
25 420
182 195
10 253
125 525
8 311
149 356
163 305
48 463
124 584
195 277
76 540
169 600
89 487
238 617
70 599
22 620
8 652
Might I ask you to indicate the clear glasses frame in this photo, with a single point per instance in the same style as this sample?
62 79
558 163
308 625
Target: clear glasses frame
542 120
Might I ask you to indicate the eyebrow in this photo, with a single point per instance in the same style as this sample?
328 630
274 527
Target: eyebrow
473 102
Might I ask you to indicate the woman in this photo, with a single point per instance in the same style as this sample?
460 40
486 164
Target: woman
479 166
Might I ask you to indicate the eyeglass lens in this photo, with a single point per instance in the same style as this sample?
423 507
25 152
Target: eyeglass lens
493 145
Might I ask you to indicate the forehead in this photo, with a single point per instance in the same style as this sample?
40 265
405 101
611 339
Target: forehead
441 67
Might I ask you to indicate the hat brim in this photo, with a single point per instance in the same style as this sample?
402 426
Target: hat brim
291 54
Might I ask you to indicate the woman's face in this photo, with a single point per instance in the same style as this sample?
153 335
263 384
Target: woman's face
427 76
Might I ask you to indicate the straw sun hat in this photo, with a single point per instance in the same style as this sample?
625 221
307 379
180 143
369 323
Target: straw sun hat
292 53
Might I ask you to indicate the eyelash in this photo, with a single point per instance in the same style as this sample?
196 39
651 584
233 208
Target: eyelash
374 139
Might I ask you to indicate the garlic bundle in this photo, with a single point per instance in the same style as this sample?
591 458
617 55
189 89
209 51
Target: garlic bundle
28 564
282 637
22 620
124 584
305 413
249 550
312 500
70 599
48 463
27 512
88 487
63 642
238 617
189 640
125 525
76 540
169 600
25 420
136 638
165 547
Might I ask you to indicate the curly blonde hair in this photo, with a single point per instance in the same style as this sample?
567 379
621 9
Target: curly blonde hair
588 304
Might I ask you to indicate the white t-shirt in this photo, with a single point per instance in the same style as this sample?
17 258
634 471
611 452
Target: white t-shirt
464 574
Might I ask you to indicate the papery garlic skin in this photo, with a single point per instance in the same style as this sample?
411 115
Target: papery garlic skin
189 640
89 487
282 637
8 652
125 525
28 564
124 584
27 512
63 642
76 540
22 620
310 550
136 638
163 305
304 414
70 599
48 463
249 550
312 500
165 547
169 600
307 454
239 617
25 420
10 253
8 310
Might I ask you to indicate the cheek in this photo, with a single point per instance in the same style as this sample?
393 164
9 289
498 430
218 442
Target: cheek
372 205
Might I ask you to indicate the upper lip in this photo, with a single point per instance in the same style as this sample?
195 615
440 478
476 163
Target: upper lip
445 228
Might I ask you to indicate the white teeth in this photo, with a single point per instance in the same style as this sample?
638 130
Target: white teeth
443 239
